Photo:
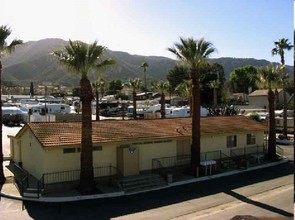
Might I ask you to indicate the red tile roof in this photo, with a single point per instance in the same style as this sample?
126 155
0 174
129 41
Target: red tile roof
52 134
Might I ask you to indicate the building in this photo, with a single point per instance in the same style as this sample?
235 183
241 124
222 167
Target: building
259 98
130 146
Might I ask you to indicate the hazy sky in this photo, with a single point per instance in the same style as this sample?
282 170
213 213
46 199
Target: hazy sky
237 28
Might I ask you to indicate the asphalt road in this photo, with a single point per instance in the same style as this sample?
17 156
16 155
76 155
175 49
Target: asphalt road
268 192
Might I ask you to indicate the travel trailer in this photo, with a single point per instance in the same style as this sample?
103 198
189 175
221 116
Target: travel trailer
50 108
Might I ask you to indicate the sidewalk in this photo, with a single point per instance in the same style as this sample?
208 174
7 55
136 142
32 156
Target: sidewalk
9 188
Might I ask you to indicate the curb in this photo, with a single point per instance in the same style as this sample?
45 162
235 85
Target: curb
117 194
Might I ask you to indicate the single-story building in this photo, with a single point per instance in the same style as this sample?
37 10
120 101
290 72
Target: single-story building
259 98
128 145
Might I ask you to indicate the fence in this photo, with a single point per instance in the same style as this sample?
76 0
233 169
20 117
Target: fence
74 175
246 151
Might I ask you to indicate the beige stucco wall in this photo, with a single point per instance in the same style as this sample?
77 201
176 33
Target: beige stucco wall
32 154
147 152
56 160
38 160
219 142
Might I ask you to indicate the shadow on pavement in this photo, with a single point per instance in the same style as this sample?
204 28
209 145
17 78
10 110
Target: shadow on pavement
108 208
259 204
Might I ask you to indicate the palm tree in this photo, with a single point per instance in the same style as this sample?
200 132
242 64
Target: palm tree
184 89
194 53
214 85
268 77
162 87
144 65
280 46
82 58
135 84
98 87
5 49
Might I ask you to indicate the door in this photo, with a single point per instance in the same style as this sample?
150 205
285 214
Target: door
183 147
128 160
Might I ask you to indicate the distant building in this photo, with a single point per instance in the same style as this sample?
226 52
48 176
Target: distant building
259 98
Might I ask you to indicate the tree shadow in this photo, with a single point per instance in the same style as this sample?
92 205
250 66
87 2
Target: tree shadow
108 208
258 204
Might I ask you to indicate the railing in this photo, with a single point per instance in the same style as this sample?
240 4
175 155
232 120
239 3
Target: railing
247 151
74 175
211 155
24 184
166 162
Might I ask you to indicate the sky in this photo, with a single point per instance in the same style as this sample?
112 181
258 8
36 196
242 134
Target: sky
236 28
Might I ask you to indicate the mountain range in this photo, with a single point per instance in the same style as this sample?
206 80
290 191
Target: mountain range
33 62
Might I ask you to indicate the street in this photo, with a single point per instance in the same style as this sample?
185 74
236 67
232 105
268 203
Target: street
264 192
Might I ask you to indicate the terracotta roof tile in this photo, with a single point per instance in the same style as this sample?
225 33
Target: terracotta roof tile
52 134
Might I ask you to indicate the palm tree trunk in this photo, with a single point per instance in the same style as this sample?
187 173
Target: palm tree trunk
2 177
196 131
214 97
285 132
97 105
163 112
87 183
134 105
271 126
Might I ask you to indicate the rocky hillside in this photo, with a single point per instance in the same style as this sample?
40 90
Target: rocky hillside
32 62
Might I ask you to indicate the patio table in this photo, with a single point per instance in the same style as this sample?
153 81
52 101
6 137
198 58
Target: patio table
208 164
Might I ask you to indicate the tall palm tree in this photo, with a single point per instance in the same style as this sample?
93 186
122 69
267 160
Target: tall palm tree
280 46
214 85
162 87
98 86
194 53
82 58
145 65
268 77
135 84
5 49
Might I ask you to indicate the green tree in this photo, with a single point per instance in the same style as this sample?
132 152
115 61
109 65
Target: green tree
98 86
115 86
184 89
194 54
280 46
213 72
83 58
135 84
162 87
244 78
144 65
177 75
5 49
267 77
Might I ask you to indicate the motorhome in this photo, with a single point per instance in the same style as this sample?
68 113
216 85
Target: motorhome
184 111
43 108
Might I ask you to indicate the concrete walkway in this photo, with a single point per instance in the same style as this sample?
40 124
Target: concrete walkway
9 188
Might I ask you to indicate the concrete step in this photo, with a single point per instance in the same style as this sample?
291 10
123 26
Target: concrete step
142 182
31 193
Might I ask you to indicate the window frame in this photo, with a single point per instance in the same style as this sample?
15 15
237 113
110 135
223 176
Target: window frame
231 141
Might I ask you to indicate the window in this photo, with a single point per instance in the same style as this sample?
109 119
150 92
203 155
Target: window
250 139
231 141
97 148
69 150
